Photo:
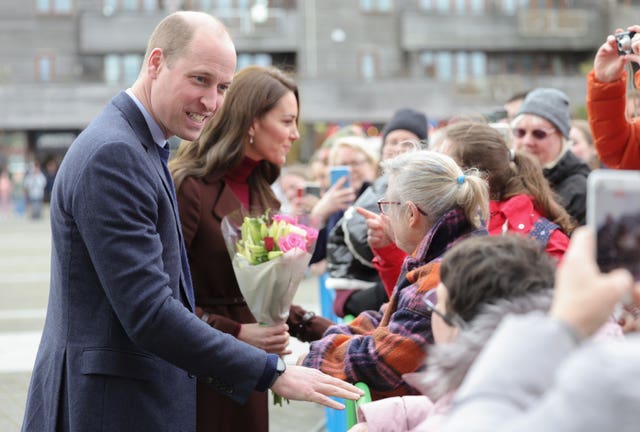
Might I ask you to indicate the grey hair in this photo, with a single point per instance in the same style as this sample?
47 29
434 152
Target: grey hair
436 184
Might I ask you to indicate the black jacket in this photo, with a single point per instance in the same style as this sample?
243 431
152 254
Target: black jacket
568 179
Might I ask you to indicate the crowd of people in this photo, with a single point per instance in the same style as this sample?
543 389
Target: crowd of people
26 191
476 300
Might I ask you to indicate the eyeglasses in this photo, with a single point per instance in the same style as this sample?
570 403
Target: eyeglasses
432 307
538 134
384 206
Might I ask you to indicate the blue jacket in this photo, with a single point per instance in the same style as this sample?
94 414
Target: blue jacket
121 346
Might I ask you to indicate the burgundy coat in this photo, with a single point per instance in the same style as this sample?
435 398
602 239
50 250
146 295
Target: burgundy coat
202 205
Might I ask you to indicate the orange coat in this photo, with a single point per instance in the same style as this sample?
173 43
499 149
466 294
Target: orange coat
616 139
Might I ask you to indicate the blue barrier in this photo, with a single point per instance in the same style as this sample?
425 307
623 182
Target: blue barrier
336 420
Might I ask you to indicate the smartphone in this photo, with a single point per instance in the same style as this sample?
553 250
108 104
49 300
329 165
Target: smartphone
613 212
312 189
337 172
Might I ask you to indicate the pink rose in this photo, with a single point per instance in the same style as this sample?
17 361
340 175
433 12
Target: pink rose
292 241
312 236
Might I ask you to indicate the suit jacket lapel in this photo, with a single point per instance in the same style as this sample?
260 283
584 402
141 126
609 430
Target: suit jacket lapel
135 118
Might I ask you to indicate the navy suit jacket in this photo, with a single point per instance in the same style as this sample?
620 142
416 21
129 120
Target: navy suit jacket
120 346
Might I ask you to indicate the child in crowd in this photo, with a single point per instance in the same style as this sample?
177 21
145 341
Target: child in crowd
521 199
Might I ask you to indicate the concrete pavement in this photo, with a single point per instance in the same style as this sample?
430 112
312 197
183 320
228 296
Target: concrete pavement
24 285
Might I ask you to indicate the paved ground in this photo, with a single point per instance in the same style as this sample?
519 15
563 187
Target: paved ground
24 280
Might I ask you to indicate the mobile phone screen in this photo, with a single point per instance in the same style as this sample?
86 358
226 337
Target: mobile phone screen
339 171
613 212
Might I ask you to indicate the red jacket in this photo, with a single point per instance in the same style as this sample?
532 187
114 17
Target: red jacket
616 140
518 215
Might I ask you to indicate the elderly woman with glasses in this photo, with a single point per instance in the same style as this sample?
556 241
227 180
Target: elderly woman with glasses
541 128
356 282
431 205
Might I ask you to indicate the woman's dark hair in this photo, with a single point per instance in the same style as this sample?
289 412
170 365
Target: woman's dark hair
484 269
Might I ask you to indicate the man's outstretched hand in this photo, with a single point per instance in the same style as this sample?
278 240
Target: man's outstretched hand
307 384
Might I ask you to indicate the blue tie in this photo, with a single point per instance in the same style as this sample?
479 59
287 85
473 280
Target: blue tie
164 153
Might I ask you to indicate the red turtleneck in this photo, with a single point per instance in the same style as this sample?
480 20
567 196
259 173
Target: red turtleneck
237 178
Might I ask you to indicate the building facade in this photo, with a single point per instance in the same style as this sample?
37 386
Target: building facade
355 60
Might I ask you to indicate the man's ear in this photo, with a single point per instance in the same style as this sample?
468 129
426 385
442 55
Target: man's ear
156 59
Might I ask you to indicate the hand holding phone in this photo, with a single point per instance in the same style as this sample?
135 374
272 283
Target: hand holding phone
623 42
613 213
337 172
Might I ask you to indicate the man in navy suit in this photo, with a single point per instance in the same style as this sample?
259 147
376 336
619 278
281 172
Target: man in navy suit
121 348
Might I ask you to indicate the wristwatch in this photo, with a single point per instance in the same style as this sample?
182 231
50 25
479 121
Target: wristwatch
281 366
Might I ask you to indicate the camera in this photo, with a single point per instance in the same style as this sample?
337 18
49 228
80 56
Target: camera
624 42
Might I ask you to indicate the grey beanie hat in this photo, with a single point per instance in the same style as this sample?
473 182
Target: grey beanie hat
407 119
550 104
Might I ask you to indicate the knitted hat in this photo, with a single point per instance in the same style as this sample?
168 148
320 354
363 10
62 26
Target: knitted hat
550 104
407 119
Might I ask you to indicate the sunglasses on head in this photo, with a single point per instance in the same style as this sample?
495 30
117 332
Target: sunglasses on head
538 134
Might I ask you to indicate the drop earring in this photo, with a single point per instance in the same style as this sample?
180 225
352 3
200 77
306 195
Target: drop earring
251 139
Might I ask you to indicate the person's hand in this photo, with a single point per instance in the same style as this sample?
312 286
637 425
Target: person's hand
379 230
608 65
272 339
307 384
585 298
336 198
635 45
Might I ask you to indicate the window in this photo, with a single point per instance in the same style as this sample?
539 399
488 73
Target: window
109 7
112 69
53 6
247 59
462 65
376 5
509 7
368 66
478 64
462 70
44 65
443 6
129 5
130 67
122 69
206 5
444 66
149 5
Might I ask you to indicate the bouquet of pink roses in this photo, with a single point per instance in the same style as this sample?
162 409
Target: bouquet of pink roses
270 255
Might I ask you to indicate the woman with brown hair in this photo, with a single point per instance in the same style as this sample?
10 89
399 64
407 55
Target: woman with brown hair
521 198
231 165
